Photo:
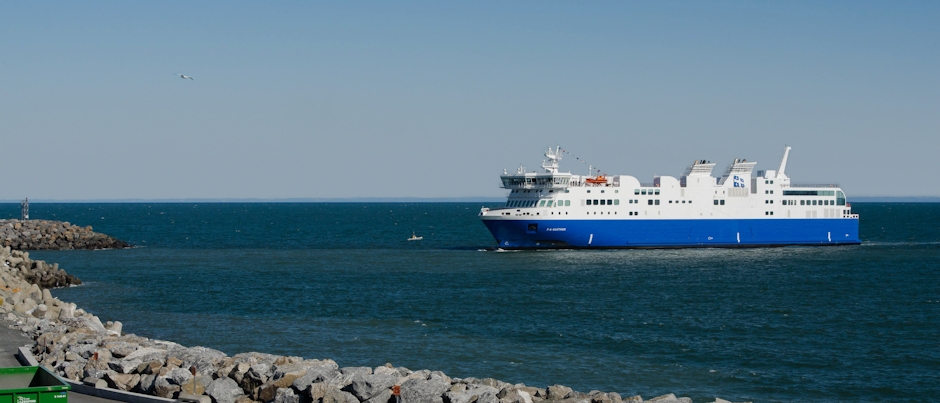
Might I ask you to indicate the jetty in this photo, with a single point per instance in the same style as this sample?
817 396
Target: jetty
99 358
53 235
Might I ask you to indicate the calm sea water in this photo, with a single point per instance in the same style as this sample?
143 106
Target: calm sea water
858 323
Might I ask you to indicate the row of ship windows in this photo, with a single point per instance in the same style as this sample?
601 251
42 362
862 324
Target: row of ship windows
812 203
651 202
539 203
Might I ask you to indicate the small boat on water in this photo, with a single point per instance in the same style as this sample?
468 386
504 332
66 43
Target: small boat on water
415 237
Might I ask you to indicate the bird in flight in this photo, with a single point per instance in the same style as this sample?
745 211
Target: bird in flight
184 77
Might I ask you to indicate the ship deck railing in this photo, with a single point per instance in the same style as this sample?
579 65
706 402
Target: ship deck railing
815 185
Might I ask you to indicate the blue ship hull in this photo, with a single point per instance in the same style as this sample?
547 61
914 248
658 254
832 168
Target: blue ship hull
678 233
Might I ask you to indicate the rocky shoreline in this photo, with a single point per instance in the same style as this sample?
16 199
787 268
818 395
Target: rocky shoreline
78 346
53 235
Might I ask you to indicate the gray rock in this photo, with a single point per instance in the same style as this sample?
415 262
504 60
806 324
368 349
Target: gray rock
355 371
315 374
205 360
670 398
286 395
558 392
121 349
430 389
146 384
147 354
163 388
334 395
366 387
117 327
385 370
474 393
123 366
515 396
123 381
149 367
256 376
71 369
224 390
91 371
179 376
238 373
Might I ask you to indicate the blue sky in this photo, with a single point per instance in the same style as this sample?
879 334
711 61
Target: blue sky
434 99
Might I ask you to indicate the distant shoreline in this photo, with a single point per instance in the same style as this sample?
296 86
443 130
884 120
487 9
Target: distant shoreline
859 199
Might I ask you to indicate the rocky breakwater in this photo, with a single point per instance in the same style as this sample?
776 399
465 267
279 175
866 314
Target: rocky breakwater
78 346
53 235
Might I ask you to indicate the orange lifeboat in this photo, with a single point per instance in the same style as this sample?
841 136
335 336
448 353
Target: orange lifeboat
599 180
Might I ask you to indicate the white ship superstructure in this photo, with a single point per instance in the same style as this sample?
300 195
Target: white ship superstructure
739 208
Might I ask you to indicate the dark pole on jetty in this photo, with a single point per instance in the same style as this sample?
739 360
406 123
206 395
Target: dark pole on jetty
25 209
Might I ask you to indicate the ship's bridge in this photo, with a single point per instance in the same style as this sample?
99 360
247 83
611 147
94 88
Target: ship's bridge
550 179
532 180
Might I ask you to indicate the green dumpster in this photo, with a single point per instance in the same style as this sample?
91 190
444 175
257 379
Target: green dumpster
32 385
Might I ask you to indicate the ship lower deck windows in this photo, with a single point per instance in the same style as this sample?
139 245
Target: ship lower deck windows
718 202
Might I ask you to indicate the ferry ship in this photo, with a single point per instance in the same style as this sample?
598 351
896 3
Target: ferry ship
560 210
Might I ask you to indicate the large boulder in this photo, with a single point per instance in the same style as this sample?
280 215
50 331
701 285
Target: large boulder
256 376
367 387
146 384
428 389
124 366
558 392
179 376
286 395
164 388
334 395
224 390
473 393
147 354
121 349
516 396
122 381
205 360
